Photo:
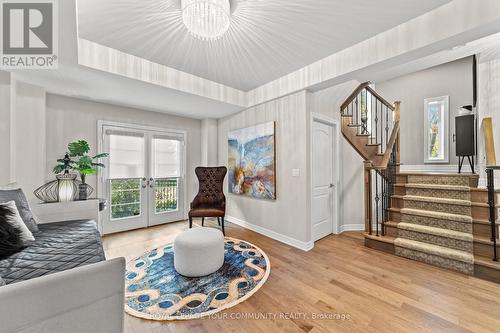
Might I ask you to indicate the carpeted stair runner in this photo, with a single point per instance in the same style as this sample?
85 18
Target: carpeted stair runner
436 222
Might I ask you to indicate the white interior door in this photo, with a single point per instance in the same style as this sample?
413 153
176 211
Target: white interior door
144 177
322 179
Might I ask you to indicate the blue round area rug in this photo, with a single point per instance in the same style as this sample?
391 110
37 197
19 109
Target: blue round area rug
154 290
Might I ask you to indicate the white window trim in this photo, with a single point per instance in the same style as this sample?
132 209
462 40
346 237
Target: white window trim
446 131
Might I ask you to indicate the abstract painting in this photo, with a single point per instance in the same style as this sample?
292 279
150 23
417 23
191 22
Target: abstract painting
251 161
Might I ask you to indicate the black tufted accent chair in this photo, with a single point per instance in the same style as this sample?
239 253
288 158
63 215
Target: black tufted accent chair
210 200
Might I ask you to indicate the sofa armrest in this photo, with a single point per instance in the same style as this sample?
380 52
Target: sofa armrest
84 299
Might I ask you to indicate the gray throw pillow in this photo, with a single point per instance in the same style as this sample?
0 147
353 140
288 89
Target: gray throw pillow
22 206
14 234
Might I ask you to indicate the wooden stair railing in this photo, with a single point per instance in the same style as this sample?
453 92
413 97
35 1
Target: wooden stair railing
372 127
491 166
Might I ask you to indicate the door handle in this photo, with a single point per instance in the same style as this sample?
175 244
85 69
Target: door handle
332 185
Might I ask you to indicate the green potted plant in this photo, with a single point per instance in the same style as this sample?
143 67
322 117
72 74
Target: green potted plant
82 163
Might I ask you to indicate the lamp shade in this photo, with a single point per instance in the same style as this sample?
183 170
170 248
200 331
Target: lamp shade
66 187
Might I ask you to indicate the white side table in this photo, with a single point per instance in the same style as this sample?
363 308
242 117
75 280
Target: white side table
66 211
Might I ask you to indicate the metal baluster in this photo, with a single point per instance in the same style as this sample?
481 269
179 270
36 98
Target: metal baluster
376 127
384 201
377 198
491 204
386 124
357 110
371 118
382 146
370 210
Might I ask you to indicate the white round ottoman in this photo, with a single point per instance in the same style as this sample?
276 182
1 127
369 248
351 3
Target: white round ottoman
198 252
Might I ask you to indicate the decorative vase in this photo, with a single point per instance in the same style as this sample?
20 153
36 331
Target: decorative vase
82 191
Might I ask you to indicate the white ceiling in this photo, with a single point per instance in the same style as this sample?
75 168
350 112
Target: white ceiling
267 38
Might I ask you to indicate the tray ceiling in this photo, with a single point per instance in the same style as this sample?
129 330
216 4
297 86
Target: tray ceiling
266 40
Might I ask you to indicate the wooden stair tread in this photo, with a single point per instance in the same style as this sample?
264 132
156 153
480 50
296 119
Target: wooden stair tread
445 174
436 250
481 221
430 230
433 199
385 239
485 240
486 261
436 187
476 221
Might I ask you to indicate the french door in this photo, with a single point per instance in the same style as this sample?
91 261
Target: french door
144 179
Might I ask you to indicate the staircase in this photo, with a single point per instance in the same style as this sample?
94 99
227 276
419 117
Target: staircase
438 219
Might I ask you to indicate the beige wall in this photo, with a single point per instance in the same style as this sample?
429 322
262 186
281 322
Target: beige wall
489 106
30 137
22 135
70 119
453 79
209 149
6 135
288 214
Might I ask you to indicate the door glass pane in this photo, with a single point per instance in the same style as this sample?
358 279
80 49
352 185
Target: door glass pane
165 196
166 158
126 156
435 131
125 198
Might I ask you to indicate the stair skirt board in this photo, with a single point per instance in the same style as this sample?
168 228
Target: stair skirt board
438 193
443 180
432 220
432 259
437 205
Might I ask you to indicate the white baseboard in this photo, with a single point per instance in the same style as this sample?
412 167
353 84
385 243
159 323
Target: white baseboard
436 168
351 227
305 246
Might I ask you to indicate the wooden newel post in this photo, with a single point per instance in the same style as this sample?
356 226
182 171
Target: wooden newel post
368 196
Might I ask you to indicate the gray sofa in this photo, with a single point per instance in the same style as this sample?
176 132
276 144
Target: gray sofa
62 283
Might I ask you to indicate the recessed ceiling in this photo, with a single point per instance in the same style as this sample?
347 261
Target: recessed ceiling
267 38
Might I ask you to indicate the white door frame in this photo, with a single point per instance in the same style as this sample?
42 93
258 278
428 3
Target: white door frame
316 117
100 143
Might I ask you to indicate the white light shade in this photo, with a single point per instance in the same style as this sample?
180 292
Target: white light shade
206 19
66 189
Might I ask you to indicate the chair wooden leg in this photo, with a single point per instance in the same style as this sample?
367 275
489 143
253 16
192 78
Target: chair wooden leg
223 232
202 221
190 222
218 220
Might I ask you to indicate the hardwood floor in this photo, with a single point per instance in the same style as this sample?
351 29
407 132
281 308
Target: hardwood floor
378 292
